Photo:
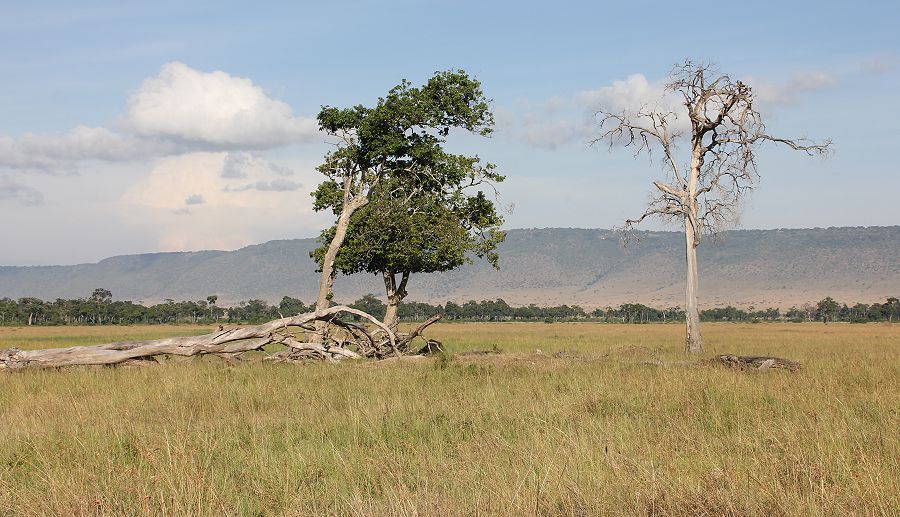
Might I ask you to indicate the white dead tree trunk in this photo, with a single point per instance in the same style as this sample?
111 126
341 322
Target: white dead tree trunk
723 131
351 341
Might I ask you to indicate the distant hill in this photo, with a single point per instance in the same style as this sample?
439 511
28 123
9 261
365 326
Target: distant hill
543 266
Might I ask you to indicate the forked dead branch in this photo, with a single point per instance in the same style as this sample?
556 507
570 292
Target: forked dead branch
304 340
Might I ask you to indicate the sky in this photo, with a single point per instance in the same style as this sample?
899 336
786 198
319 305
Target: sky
130 127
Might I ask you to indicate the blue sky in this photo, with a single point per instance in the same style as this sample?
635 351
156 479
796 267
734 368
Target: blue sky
95 166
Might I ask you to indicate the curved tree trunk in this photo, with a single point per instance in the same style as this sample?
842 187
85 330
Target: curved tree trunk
326 282
693 341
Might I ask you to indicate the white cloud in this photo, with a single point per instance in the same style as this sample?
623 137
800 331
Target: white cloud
265 205
243 165
773 94
629 94
54 153
25 195
563 121
550 134
214 108
276 185
548 128
178 111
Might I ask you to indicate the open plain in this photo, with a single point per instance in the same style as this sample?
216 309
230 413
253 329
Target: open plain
558 419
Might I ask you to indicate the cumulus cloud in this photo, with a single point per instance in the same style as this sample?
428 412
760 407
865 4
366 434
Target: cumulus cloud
193 179
629 94
230 216
178 111
214 108
12 190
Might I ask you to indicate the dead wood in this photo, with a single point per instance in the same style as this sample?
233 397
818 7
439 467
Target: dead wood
405 339
338 340
432 346
759 363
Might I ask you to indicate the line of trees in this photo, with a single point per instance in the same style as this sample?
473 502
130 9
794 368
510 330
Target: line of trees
100 309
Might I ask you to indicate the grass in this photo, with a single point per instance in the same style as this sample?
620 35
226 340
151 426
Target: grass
582 427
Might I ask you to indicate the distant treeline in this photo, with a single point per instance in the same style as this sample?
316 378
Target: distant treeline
100 309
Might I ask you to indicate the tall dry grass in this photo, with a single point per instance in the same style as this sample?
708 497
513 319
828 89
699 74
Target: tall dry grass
585 427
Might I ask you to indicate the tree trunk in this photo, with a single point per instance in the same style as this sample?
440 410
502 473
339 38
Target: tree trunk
693 341
395 294
390 315
326 282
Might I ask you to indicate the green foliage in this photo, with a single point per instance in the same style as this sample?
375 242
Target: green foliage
403 136
420 234
827 309
419 217
370 305
86 311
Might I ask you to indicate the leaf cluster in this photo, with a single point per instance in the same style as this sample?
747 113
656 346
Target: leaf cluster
403 135
424 233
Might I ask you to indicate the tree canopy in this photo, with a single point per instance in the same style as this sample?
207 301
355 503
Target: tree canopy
397 147
422 233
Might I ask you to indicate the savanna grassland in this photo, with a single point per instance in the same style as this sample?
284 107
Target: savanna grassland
567 419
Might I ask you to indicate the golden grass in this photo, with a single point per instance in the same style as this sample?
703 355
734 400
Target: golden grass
585 427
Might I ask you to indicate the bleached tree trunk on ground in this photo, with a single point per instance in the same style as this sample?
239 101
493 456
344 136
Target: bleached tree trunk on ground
357 342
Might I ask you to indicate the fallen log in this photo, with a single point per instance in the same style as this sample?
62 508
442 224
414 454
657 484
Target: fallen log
343 341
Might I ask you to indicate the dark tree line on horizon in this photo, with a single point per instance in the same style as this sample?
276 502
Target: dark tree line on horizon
100 309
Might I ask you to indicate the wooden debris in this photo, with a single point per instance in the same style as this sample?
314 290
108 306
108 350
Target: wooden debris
759 363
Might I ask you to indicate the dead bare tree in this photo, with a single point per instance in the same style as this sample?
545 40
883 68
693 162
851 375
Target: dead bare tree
346 340
723 137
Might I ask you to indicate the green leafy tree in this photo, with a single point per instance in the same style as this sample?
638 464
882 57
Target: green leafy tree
370 305
398 234
291 306
892 308
827 309
399 141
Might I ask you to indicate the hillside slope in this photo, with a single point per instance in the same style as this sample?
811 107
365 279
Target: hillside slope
542 266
